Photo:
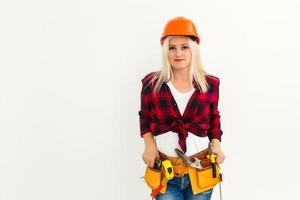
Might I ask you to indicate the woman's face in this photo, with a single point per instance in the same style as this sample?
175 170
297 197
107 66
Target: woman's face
180 54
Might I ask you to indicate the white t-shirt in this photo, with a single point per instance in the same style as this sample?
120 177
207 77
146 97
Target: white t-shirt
167 142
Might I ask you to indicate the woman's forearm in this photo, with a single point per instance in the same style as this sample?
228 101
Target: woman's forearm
216 143
149 139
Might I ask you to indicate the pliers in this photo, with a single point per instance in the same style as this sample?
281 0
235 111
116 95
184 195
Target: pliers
185 159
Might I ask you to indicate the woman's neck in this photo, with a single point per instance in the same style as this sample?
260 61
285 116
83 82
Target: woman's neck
181 76
181 81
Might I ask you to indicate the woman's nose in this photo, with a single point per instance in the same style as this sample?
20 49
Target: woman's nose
178 52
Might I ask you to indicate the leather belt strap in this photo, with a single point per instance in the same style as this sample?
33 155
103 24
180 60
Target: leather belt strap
181 168
200 155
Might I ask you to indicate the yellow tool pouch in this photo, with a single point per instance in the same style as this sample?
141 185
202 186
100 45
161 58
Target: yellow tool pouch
202 180
205 178
153 179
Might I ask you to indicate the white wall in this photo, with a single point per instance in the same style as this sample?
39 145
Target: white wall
69 94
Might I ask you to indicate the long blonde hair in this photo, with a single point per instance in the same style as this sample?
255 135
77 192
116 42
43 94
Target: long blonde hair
197 72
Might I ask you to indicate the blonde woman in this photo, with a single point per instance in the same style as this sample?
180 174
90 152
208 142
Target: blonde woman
179 109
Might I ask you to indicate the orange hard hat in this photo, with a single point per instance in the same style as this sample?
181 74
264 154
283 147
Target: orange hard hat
180 26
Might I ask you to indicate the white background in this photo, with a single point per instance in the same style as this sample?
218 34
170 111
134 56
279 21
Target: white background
70 76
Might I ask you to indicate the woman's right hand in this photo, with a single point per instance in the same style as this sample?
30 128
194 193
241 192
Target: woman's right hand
150 152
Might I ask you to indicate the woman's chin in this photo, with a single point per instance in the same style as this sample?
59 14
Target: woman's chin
179 67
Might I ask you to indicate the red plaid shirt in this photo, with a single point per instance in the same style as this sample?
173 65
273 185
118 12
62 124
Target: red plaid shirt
159 112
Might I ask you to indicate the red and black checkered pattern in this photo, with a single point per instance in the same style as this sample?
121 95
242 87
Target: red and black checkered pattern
159 112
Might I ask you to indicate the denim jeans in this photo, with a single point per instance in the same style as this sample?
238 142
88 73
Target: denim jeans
179 188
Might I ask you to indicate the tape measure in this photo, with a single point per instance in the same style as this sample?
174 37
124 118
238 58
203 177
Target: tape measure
168 171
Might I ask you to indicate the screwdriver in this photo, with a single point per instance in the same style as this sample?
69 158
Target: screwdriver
212 158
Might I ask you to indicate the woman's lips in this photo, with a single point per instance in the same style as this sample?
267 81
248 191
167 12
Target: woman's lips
178 60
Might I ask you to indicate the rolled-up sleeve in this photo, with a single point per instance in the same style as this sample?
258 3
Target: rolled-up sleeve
144 112
215 131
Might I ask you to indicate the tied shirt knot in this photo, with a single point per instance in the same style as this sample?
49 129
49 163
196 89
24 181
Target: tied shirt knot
181 127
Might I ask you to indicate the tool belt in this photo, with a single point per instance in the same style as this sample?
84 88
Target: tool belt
201 179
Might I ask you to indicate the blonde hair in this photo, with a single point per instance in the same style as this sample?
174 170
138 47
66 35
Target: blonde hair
197 72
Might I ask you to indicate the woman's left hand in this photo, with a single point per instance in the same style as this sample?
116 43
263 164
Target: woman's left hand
220 155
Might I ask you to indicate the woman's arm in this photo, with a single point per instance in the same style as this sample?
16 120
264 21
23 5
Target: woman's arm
150 152
215 131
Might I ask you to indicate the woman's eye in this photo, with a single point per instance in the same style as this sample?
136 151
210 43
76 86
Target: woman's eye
171 48
185 47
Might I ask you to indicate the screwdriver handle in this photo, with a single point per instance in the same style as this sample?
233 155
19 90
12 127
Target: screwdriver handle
214 170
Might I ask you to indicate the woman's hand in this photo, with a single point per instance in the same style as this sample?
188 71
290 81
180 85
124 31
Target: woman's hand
150 152
220 156
217 150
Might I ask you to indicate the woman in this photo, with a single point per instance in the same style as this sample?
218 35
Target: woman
179 108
